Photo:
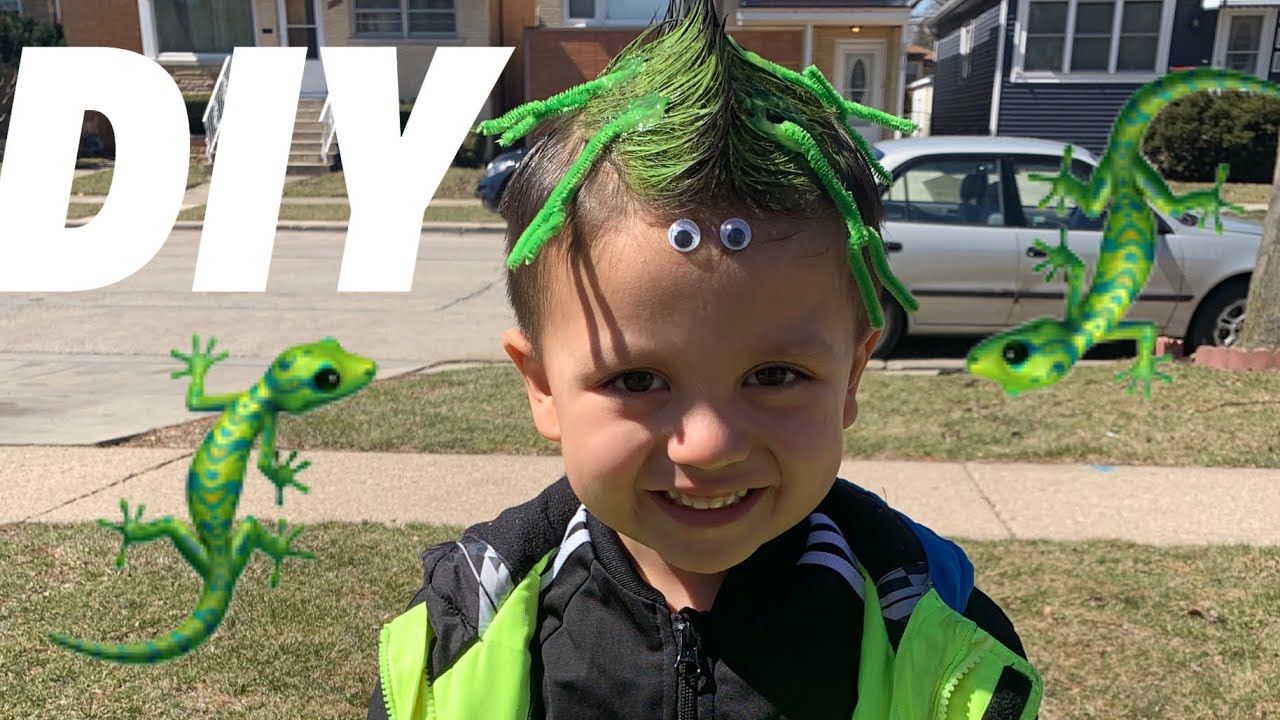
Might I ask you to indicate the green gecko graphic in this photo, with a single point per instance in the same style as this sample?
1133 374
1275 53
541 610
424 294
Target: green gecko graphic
301 379
1041 352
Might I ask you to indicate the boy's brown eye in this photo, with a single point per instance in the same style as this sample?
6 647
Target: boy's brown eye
637 381
773 376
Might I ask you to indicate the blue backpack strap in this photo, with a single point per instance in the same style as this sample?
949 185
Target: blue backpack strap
950 571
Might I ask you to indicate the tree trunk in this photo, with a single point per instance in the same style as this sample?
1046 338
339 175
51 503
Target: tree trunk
1262 308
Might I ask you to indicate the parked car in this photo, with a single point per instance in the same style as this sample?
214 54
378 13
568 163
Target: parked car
961 218
496 174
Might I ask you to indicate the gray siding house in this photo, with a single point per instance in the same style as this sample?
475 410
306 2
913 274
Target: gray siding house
1061 69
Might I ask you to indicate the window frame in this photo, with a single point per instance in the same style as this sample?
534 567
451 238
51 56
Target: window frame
17 6
1266 41
150 32
601 19
1019 73
1002 174
405 35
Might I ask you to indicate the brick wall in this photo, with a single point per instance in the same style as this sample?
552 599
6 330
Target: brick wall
102 23
559 58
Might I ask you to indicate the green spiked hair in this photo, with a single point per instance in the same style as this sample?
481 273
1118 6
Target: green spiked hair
685 118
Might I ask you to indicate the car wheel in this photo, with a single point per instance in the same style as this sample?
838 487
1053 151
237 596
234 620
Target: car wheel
895 323
1220 318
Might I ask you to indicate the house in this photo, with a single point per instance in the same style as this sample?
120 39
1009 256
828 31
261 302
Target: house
193 39
1062 69
860 45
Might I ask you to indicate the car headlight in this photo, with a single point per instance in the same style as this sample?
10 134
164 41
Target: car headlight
497 166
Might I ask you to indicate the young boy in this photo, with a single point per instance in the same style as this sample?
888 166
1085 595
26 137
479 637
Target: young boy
693 334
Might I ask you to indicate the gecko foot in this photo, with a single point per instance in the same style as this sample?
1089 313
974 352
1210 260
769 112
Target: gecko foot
280 546
198 363
1057 258
284 474
1144 371
1063 184
129 529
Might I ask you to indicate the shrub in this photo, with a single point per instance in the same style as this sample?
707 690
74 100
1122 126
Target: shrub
1190 137
196 105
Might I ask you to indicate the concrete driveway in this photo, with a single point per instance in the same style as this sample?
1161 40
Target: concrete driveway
82 368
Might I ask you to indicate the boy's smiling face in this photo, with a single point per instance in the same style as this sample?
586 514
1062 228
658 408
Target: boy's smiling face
700 375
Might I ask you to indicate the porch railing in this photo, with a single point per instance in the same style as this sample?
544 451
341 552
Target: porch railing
213 112
327 134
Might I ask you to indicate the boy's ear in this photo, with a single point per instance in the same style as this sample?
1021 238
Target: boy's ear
861 356
521 352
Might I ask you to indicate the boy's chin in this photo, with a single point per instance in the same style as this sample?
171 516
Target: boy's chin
704 563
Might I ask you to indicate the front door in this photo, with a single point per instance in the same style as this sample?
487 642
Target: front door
859 76
304 27
1244 40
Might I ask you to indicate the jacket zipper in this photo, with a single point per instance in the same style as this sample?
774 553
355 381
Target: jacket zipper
688 666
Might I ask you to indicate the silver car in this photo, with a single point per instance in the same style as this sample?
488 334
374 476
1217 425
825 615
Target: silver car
961 217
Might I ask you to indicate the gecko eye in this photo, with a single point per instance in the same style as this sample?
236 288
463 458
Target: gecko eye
327 380
735 233
684 235
1016 352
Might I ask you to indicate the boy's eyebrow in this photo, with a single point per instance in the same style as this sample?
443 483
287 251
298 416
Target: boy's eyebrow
801 345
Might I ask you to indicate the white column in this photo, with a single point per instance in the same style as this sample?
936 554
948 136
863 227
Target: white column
806 56
147 28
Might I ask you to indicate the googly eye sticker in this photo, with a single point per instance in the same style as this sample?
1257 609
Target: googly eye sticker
735 233
684 235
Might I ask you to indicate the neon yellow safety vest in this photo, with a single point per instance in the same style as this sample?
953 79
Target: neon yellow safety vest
945 666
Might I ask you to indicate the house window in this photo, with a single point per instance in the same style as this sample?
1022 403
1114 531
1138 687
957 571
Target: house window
404 18
1244 42
1100 36
914 69
203 26
14 6
637 11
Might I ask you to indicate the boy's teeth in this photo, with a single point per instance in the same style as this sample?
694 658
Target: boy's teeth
707 503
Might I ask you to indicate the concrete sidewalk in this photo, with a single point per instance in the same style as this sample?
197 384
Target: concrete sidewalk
972 500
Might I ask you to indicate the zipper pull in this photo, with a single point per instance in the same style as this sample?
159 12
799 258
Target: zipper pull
688 647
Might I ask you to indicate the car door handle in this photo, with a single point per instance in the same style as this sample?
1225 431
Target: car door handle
1035 252
893 247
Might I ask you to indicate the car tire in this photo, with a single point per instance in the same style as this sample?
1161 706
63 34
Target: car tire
1220 317
895 325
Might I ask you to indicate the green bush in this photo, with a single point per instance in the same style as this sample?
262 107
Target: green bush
1190 137
470 154
196 105
17 32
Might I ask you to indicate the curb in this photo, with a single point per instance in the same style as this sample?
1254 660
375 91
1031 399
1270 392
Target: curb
1221 358
337 226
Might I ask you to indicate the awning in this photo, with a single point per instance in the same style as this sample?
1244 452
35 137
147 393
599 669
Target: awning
1221 4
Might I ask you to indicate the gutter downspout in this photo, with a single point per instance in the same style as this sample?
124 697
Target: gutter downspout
57 11
806 55
993 125
902 73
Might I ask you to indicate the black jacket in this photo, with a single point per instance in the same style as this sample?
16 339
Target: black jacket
780 643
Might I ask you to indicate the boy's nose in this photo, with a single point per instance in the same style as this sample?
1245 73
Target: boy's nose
709 439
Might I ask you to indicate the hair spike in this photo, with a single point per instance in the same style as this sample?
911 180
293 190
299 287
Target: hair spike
689 117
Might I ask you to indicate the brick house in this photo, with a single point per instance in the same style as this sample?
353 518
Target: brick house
860 45
192 38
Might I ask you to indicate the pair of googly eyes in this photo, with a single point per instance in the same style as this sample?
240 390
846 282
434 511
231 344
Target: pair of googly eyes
735 234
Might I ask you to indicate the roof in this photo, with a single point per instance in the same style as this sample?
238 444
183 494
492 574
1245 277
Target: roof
949 9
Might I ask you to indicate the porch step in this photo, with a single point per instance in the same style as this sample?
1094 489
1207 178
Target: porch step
307 140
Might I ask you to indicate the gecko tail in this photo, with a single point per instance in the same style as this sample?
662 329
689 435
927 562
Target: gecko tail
1145 104
192 632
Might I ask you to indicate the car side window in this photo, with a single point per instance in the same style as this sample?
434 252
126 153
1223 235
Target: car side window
1031 192
947 191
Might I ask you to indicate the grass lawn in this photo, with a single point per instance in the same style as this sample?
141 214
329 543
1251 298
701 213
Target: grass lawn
1118 631
1204 417
1231 192
458 183
341 212
100 182
320 213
